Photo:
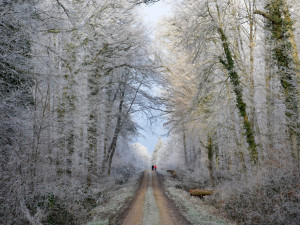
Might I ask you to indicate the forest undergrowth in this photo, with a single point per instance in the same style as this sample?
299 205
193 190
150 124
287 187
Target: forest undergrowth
196 210
75 204
265 197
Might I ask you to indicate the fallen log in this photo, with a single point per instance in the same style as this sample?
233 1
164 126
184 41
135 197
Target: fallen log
170 171
173 174
200 192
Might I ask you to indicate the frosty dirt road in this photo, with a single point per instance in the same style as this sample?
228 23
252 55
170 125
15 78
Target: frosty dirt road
151 206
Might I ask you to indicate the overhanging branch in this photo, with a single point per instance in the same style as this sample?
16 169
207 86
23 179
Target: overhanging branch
264 14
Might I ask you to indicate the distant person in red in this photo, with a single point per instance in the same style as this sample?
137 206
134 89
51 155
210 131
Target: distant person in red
155 167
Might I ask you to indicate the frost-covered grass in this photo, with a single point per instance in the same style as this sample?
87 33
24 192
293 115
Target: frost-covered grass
104 213
102 222
194 209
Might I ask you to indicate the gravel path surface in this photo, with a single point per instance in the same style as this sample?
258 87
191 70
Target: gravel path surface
151 205
151 214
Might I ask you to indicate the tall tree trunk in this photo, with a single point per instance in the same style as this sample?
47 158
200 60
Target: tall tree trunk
228 64
92 146
184 146
252 43
91 155
280 25
210 155
295 55
238 90
113 145
69 131
269 103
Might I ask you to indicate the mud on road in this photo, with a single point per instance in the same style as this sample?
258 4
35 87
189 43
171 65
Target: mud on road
151 206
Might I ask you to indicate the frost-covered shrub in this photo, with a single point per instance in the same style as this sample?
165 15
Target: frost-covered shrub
122 174
273 200
70 204
57 211
221 176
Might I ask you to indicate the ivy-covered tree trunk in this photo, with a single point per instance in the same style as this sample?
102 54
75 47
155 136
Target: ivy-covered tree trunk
269 102
184 146
280 25
295 55
91 153
210 154
228 63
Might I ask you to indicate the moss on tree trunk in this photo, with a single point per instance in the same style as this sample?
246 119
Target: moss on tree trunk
210 159
280 25
228 63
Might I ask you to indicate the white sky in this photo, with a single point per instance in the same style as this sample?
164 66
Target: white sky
151 15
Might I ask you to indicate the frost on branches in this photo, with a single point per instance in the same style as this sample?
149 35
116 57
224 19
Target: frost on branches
72 75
